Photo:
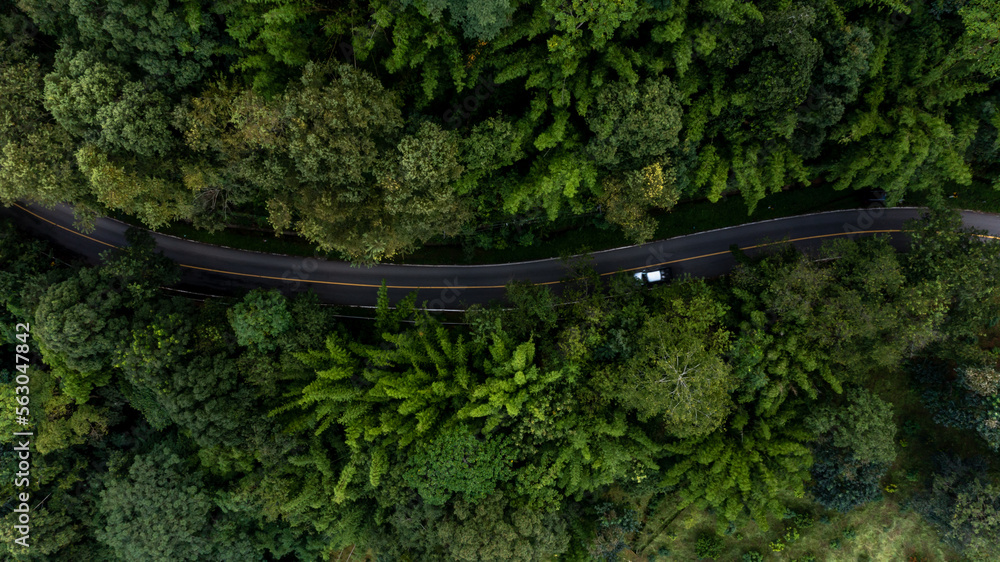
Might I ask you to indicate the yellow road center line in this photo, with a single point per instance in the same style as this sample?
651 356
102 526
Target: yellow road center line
64 228
459 287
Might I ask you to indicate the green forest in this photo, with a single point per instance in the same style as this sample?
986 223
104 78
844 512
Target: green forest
839 406
798 406
372 128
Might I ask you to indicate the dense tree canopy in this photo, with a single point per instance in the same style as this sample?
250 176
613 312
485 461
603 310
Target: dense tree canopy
679 375
262 427
156 508
515 109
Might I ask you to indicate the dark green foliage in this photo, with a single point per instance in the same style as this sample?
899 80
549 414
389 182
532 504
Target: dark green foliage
553 109
709 545
23 262
172 43
478 19
634 125
156 508
331 155
752 556
630 197
274 37
955 404
81 321
99 101
961 265
742 471
677 375
963 505
138 269
77 320
514 533
616 530
814 327
371 127
842 482
803 520
36 155
863 426
186 376
946 401
69 513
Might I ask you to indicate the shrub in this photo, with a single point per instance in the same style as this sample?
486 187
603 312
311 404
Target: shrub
863 427
964 506
842 482
753 556
804 520
616 528
259 317
972 405
709 545
791 534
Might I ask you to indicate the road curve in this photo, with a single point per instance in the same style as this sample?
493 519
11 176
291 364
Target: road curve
221 270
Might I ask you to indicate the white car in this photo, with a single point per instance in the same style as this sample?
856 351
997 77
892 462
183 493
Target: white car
653 276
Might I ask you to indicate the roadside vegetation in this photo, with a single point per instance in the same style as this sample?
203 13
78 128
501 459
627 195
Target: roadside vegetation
515 242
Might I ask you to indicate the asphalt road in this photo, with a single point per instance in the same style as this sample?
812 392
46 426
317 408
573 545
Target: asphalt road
220 270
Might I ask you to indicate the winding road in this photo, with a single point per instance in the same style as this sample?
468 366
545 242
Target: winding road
221 270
